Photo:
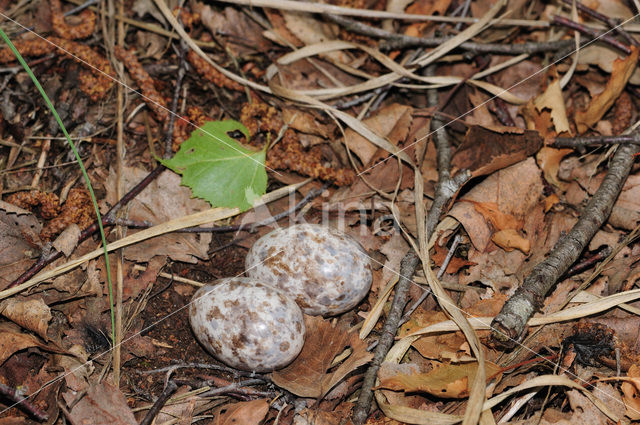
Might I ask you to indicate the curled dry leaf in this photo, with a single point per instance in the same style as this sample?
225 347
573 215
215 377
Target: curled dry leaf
620 74
308 375
552 100
510 239
31 314
13 339
549 160
516 190
446 381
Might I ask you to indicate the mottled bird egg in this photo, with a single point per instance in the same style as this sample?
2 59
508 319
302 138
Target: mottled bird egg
246 324
325 271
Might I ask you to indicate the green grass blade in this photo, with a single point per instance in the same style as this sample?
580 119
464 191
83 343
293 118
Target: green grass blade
82 168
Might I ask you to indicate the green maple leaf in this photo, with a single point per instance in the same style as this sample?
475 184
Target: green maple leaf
218 169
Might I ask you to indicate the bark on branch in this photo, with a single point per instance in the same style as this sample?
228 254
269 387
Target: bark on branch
510 323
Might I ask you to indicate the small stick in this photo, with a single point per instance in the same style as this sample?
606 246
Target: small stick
591 32
589 141
611 22
251 227
22 403
399 41
168 390
510 323
589 262
387 337
108 219
168 140
46 145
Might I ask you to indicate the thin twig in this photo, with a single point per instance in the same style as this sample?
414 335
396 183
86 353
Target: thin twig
168 140
108 219
510 323
399 41
13 395
387 337
168 390
611 22
590 141
591 32
251 227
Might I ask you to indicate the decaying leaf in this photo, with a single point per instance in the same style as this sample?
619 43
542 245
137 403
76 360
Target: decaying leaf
631 392
485 150
32 314
13 339
552 100
510 239
308 375
164 199
446 381
499 220
19 241
620 74
515 190
103 405
383 123
246 412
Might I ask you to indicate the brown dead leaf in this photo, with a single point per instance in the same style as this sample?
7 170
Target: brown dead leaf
162 200
425 7
620 74
510 239
549 161
337 415
68 239
31 314
243 35
455 264
516 190
103 404
499 220
446 381
308 375
13 339
310 30
245 413
484 151
305 122
631 392
550 201
19 241
438 347
552 100
383 123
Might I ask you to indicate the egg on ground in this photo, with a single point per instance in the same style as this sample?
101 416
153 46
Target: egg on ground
324 270
246 324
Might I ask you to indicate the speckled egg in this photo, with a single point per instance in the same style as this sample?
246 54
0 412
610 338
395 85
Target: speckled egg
325 271
246 324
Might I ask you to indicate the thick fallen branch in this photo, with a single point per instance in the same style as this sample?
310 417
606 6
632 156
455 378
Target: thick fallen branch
509 324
